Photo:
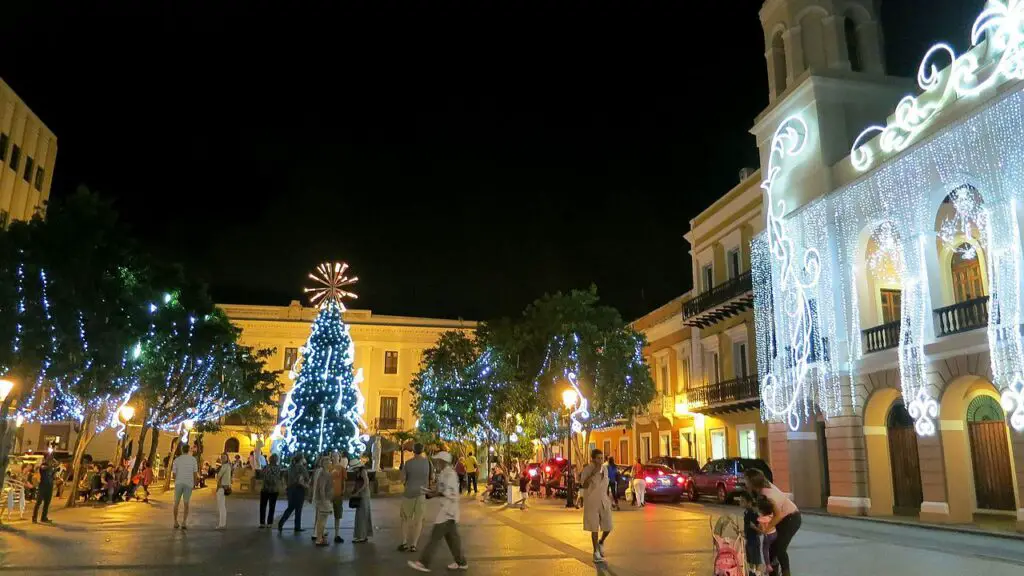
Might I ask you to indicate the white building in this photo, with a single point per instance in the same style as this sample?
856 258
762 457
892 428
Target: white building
888 280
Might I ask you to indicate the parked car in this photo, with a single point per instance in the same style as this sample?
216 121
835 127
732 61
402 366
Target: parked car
662 482
554 469
534 472
723 478
688 468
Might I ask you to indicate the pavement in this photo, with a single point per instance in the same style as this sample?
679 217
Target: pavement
548 540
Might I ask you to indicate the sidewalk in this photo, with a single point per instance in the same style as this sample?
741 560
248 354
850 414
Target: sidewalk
984 525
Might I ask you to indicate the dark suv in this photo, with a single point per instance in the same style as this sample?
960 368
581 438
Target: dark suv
723 478
688 468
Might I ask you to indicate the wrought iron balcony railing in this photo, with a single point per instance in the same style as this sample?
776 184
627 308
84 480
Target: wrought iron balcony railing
718 295
882 337
389 424
961 317
738 390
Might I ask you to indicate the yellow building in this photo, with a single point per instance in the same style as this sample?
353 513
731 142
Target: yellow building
388 350
28 150
723 390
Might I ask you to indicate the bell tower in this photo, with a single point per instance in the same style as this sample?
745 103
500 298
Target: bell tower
815 36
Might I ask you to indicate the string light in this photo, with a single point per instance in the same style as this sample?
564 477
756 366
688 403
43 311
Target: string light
969 220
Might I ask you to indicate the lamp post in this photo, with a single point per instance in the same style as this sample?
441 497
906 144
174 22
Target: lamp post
569 399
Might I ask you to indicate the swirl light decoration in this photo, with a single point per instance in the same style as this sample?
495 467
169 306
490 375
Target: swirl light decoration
1001 27
784 393
581 414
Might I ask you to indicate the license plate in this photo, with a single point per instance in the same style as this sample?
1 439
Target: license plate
664 482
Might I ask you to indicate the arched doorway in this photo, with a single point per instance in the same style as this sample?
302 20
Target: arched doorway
990 455
231 445
906 467
966 272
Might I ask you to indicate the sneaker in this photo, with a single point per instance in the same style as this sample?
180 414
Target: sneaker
412 549
457 566
338 539
418 566
598 558
600 548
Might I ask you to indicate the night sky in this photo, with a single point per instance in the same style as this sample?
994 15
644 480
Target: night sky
464 161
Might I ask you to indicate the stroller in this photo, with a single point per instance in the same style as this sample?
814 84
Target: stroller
729 547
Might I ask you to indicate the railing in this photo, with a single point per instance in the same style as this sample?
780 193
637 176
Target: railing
745 388
961 317
718 294
882 337
388 424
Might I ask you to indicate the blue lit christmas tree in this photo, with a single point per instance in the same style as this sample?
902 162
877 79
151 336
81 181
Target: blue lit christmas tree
324 410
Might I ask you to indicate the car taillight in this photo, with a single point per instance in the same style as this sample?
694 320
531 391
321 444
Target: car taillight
649 480
680 480
547 468
661 473
533 472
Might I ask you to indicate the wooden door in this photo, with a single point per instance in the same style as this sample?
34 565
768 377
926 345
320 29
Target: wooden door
990 455
904 461
890 305
966 278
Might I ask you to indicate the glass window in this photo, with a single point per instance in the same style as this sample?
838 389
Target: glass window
30 165
388 407
707 273
665 444
5 143
748 443
15 158
290 356
718 447
734 263
666 385
391 362
684 375
39 178
739 359
890 306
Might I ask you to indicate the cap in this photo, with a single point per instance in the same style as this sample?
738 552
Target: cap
442 455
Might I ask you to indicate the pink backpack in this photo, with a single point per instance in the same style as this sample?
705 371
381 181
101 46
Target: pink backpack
728 548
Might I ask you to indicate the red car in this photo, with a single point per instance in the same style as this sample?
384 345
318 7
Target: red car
554 469
724 478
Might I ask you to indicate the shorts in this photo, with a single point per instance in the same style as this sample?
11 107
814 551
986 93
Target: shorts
339 505
413 507
597 517
182 490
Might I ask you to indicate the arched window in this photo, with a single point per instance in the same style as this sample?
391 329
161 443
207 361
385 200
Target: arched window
779 63
231 445
984 409
853 45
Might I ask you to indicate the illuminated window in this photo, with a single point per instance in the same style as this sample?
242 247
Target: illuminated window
890 306
391 362
290 356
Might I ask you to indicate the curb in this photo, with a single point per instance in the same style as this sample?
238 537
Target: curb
960 529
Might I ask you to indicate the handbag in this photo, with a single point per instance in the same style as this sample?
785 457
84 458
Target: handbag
227 490
355 501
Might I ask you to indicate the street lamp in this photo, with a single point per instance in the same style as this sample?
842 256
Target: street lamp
127 413
569 399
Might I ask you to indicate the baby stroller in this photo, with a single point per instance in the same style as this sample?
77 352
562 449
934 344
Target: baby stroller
728 547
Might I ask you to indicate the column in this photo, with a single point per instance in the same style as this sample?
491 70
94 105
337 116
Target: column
847 466
796 463
1017 447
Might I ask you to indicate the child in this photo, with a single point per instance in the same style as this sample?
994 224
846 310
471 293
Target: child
524 490
766 510
752 534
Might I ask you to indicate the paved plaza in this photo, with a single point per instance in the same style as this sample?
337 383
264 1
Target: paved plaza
136 538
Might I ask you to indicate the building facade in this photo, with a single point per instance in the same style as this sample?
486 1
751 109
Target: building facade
888 278
28 150
388 350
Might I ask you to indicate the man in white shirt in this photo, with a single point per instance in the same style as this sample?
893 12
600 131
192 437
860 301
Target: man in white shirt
186 475
447 522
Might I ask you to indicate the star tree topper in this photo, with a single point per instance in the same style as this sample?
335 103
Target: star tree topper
331 279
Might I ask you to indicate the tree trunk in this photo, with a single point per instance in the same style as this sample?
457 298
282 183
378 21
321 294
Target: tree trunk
142 443
153 446
85 436
170 460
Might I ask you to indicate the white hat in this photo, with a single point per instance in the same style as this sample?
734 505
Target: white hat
355 463
442 455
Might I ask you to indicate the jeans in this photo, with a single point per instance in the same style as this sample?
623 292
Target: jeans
222 508
785 529
449 532
267 514
471 481
45 493
296 498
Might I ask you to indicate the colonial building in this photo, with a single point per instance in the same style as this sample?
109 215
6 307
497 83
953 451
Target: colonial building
388 350
888 278
28 150
722 387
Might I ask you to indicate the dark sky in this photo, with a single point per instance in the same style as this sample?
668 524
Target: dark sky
463 160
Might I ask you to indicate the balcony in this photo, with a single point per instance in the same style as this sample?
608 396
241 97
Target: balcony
961 317
721 302
380 424
729 396
881 337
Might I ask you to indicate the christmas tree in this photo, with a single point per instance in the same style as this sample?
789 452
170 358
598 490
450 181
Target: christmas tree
323 412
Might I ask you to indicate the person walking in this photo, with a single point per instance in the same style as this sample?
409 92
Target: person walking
446 526
298 482
323 488
460 471
613 482
785 519
269 490
145 479
44 489
416 477
339 472
363 526
639 484
597 508
223 489
472 469
186 474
